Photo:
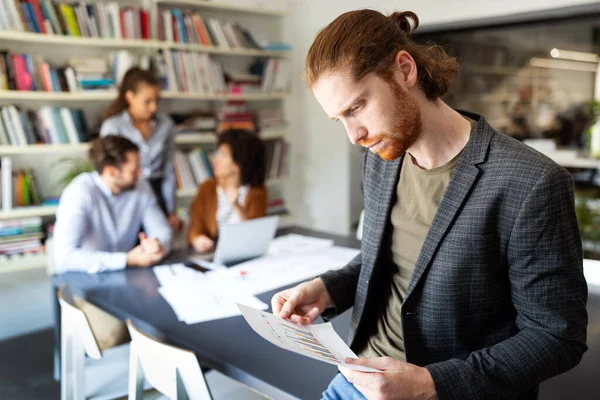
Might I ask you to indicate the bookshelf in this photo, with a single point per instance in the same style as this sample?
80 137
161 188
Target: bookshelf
264 22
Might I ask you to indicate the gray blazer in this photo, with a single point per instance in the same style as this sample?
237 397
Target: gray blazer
497 301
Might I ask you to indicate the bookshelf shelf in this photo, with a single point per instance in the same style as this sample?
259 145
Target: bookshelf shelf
22 262
189 139
30 37
210 138
222 7
25 212
225 96
44 148
183 193
14 95
224 51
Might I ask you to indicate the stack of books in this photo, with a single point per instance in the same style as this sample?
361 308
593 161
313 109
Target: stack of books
200 122
236 115
18 188
96 20
270 118
175 25
48 125
21 236
192 169
244 83
91 73
276 206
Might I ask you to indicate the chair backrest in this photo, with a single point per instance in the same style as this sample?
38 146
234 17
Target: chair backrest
173 371
75 323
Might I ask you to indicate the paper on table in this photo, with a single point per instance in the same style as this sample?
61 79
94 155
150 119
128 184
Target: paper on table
319 341
293 243
271 272
195 298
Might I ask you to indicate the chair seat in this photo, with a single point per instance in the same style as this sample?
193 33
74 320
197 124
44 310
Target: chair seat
223 387
107 378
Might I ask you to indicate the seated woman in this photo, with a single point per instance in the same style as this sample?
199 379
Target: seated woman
236 193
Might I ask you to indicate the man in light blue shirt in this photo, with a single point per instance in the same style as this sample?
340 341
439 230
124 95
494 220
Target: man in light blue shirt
100 214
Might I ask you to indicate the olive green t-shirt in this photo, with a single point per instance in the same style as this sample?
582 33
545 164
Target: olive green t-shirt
419 195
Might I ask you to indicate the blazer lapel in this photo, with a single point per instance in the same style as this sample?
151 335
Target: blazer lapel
376 216
464 177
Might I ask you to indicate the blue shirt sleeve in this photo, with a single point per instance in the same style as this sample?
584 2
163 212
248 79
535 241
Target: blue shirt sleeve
70 229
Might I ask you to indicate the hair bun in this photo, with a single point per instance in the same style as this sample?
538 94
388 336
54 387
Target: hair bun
403 18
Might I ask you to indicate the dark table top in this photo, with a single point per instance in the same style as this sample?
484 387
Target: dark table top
227 345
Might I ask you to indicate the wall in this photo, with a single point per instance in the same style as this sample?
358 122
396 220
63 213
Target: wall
324 164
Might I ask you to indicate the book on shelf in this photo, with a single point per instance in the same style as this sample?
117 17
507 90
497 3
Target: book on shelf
276 206
192 168
277 158
18 188
32 73
190 72
48 125
276 75
199 122
21 236
236 114
93 20
188 27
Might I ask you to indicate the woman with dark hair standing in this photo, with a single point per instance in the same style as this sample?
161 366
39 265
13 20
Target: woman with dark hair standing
236 193
134 115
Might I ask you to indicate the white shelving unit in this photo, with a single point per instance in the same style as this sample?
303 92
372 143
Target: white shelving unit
63 45
25 212
22 262
43 148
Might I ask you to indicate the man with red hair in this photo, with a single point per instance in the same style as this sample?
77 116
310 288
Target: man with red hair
469 284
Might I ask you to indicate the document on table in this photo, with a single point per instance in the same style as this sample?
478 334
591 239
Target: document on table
318 341
194 297
199 297
293 244
271 272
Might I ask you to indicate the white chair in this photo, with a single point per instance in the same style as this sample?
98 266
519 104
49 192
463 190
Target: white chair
101 375
175 372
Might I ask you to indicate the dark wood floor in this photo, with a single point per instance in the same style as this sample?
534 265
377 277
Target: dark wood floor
26 367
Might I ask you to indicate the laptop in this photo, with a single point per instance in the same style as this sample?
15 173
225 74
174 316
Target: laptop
238 243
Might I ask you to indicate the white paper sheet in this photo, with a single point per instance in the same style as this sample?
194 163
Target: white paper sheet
293 244
198 297
319 341
271 272
195 298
